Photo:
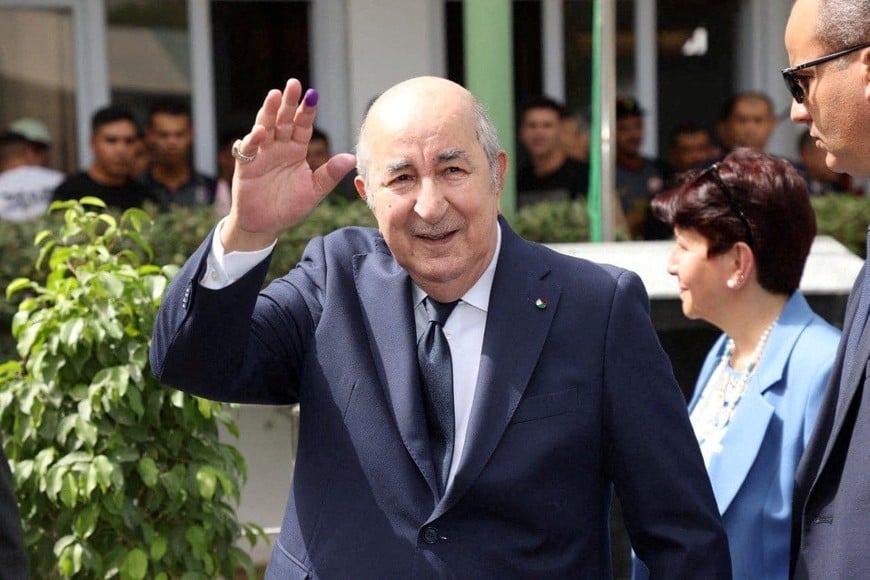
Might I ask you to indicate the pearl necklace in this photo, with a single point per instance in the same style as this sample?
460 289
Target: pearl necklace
756 354
719 402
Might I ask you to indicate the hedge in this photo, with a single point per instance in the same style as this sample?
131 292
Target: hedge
176 235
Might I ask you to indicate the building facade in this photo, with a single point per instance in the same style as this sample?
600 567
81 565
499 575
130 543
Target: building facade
62 59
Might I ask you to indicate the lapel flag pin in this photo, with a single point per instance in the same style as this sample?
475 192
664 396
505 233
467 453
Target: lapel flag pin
541 303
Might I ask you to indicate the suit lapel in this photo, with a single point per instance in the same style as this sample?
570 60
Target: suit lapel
742 444
384 289
516 329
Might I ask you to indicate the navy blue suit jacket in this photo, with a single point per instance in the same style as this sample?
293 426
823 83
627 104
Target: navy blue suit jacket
831 521
571 398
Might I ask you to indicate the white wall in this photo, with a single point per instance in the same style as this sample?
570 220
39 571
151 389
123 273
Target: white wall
760 58
389 41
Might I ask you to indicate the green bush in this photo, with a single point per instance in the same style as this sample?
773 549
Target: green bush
116 475
553 222
845 218
174 236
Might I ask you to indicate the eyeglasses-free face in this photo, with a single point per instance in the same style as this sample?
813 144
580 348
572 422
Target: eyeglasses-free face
797 85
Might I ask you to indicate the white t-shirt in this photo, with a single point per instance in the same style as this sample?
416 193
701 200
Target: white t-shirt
26 191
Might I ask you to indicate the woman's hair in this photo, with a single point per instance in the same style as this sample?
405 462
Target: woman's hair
769 209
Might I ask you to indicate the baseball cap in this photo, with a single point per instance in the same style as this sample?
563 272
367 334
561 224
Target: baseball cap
628 107
31 129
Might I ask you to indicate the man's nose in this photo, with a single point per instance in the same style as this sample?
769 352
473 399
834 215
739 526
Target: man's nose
431 204
799 113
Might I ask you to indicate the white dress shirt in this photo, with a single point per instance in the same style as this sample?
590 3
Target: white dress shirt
464 328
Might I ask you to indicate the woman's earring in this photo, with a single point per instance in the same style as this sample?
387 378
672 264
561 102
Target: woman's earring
731 283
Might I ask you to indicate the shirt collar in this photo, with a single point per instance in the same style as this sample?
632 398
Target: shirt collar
477 295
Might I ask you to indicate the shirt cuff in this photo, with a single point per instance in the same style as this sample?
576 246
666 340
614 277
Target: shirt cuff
222 269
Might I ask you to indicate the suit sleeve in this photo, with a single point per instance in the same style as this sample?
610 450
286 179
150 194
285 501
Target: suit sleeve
237 344
652 453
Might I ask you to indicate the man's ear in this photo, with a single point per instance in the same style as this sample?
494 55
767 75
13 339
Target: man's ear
501 167
360 185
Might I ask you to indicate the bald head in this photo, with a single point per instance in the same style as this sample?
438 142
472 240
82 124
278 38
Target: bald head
403 104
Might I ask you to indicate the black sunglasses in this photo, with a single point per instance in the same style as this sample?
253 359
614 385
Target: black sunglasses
796 85
713 170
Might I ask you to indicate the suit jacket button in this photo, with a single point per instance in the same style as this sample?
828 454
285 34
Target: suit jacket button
430 535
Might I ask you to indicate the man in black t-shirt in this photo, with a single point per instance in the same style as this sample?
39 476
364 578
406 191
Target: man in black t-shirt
114 136
171 177
550 175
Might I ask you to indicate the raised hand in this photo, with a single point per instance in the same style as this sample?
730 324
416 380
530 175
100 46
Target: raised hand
276 189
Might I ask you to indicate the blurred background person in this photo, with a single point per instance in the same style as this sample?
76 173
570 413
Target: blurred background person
549 174
114 141
743 230
638 179
25 186
38 138
171 175
574 135
689 147
821 180
319 152
746 119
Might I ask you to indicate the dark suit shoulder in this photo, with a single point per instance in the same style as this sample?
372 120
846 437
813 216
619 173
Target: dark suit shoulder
574 268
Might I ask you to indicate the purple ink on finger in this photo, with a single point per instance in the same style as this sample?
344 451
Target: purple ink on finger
311 97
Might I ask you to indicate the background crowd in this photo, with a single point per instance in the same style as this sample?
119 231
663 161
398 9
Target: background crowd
134 164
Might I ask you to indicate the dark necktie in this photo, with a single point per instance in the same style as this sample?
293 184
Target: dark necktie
436 375
858 323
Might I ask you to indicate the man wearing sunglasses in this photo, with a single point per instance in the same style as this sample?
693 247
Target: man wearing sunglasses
828 44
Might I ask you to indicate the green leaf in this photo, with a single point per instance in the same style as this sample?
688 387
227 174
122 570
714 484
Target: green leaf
69 490
108 220
204 406
135 565
66 425
69 556
158 548
206 479
86 521
42 460
86 432
71 331
28 338
148 471
90 200
134 397
137 218
113 284
18 285
53 482
155 286
41 236
177 399
71 459
197 539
